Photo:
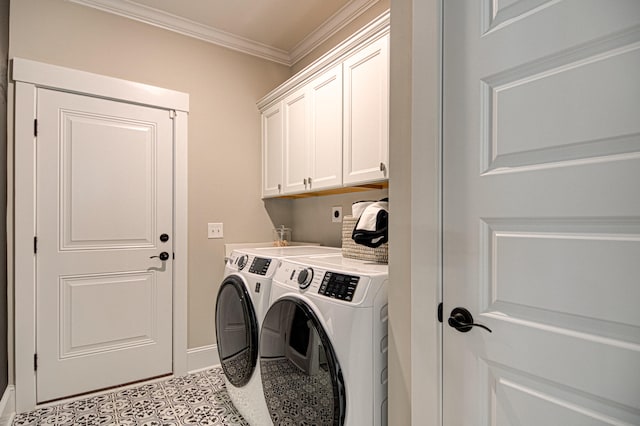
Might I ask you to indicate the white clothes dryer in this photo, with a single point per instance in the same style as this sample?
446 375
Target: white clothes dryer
323 343
241 304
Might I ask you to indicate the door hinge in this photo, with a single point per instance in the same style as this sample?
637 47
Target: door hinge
172 114
35 362
174 255
35 245
35 127
440 311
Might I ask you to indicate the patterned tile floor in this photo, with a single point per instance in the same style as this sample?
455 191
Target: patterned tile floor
197 399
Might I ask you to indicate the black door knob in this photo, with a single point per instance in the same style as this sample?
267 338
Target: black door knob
163 256
164 238
462 320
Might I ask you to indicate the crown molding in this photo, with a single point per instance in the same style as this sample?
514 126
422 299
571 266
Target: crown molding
171 22
330 27
371 32
184 26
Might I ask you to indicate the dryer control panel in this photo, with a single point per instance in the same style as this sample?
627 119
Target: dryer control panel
260 266
339 286
251 265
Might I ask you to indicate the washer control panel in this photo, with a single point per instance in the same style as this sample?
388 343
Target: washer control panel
339 286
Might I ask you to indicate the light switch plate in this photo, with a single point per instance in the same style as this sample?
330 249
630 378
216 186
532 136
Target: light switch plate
215 230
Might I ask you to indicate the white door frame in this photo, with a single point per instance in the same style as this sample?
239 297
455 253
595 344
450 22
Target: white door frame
28 76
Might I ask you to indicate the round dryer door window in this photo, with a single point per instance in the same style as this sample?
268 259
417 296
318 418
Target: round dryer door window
236 331
301 377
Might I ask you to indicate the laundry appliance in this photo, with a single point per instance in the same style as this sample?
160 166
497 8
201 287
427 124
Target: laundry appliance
241 304
323 343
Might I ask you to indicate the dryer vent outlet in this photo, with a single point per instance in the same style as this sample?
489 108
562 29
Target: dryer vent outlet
336 214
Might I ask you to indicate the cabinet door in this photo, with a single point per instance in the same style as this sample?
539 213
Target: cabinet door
325 101
296 141
366 114
272 146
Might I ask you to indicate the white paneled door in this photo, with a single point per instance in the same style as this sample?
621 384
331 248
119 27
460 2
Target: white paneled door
104 201
541 212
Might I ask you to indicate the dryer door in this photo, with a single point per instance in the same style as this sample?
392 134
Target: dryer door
301 376
236 331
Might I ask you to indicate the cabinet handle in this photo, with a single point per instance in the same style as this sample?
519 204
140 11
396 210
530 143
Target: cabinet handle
309 180
305 183
383 167
279 187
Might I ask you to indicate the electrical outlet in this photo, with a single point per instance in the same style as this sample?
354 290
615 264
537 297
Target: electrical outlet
214 230
336 214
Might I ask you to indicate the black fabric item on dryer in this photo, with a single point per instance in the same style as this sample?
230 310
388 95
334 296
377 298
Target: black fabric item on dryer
372 228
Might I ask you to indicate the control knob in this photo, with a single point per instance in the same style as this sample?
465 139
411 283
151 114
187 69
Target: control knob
242 262
305 277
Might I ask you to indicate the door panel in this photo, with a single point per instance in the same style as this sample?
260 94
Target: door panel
93 300
542 212
104 196
92 194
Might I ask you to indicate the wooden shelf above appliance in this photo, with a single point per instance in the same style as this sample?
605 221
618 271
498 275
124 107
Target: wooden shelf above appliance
337 191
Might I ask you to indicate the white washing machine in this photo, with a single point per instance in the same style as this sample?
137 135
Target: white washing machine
323 343
241 304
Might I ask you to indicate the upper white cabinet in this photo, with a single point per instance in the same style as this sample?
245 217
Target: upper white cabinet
325 142
296 141
313 134
272 150
333 119
366 114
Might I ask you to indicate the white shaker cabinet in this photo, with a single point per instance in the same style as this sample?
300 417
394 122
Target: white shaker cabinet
327 127
296 141
313 134
325 143
366 114
272 150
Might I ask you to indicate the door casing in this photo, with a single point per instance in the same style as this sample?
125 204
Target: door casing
27 77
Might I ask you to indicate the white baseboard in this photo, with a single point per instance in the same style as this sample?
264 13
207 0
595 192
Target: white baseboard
8 406
202 358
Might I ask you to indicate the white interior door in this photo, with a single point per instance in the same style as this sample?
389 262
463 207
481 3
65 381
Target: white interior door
542 212
104 197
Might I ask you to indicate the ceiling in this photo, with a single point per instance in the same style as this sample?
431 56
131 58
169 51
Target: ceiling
280 30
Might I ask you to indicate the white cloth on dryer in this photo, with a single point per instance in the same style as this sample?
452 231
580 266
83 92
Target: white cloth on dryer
372 227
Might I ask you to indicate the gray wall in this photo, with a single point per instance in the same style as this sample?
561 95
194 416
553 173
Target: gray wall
4 48
311 217
414 233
